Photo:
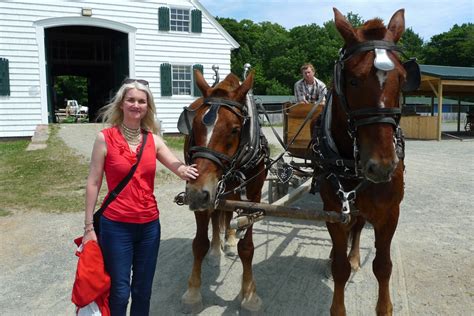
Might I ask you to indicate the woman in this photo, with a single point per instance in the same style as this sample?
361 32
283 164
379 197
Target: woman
130 226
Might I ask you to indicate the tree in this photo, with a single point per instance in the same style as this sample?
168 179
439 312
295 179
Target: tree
452 48
412 45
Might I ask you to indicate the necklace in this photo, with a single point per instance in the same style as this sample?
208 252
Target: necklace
131 135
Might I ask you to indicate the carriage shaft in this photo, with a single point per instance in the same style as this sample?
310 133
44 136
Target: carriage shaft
283 211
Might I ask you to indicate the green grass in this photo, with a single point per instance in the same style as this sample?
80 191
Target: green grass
175 142
49 180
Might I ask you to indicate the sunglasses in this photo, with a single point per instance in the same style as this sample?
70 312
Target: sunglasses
130 80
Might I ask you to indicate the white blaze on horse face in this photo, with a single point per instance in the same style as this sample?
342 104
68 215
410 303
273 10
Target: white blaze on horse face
382 76
383 63
210 129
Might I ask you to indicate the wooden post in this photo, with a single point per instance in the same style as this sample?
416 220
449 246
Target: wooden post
440 107
459 114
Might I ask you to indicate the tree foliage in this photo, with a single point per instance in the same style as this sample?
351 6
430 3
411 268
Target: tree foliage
453 48
276 54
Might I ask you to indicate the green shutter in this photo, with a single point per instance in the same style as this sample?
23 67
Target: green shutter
4 77
166 88
163 19
196 21
197 92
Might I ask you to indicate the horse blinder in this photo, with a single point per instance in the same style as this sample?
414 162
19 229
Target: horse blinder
413 78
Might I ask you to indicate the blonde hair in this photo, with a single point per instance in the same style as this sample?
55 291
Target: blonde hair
112 113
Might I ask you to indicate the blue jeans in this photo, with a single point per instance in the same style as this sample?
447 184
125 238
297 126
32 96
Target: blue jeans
130 247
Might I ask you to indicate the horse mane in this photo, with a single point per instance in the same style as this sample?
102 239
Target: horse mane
372 30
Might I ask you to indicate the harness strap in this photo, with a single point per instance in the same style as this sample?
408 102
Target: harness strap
375 111
219 101
370 45
375 120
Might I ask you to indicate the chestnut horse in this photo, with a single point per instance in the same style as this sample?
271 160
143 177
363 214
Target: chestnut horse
360 149
225 143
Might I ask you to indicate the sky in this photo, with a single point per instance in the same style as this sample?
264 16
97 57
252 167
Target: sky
426 18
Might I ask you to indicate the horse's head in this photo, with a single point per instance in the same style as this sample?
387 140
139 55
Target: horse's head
215 137
368 79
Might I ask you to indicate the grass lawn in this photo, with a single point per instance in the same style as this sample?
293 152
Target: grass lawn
50 180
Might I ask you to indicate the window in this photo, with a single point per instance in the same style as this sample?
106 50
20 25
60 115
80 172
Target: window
179 20
181 80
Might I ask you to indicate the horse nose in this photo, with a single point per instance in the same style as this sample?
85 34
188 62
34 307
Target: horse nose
377 171
198 199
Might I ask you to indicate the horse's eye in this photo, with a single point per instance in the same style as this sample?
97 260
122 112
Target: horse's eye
235 130
353 82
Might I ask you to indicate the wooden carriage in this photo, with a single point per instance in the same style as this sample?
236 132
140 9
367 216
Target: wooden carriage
294 116
297 138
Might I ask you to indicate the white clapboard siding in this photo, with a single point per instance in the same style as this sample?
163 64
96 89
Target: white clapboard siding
22 24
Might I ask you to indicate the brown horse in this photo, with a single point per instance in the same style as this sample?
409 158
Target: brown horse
360 149
225 143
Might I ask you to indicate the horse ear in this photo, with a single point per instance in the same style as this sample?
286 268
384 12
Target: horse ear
241 91
344 27
397 25
201 83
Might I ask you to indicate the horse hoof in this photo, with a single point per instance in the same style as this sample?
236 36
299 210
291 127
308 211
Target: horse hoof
195 308
251 306
190 304
355 263
230 251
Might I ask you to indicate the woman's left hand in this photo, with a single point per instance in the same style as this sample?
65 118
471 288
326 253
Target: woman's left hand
189 172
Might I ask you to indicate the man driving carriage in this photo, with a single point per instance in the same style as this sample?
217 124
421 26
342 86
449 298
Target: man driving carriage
309 89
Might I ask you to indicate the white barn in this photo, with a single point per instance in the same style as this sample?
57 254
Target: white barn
104 41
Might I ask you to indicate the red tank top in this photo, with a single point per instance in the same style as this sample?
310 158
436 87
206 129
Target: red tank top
136 203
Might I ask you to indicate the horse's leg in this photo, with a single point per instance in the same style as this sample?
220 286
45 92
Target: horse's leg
230 240
382 264
354 254
340 266
192 299
215 251
251 302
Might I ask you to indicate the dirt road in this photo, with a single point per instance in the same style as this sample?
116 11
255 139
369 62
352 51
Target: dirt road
432 253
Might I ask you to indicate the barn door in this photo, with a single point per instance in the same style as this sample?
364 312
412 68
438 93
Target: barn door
121 59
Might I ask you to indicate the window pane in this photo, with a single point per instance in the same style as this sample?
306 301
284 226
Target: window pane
181 80
179 20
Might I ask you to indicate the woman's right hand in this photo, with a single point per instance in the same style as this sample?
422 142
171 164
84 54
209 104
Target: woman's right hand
89 234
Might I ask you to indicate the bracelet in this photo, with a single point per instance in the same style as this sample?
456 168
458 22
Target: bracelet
87 230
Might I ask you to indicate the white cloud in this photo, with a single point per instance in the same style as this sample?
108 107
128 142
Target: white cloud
426 18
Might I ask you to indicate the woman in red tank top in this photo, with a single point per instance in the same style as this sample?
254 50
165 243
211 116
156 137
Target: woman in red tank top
130 226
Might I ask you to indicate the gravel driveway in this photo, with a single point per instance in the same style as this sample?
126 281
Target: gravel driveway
432 252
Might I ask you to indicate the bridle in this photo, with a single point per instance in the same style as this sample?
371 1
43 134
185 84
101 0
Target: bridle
328 161
253 146
374 114
224 161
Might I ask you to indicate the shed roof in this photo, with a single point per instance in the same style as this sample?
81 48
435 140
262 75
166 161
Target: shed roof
448 72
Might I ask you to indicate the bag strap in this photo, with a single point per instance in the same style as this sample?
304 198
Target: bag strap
115 192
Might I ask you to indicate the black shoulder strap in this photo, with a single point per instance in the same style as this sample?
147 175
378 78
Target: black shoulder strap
115 192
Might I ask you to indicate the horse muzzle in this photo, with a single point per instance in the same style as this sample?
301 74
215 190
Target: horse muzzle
379 171
199 199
